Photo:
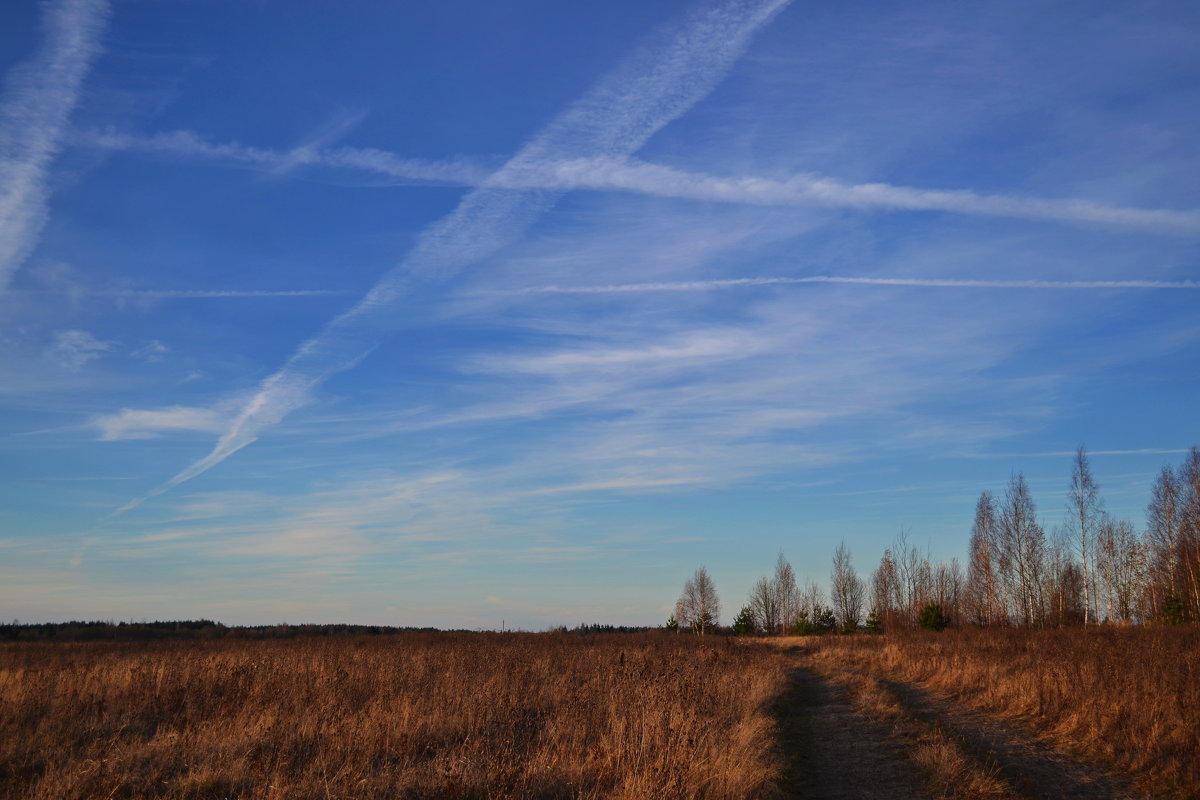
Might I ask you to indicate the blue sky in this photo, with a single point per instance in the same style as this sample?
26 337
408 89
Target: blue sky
448 313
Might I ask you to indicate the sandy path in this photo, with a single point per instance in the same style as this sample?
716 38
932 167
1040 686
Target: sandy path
836 753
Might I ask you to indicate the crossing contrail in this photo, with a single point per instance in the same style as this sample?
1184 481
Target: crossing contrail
668 74
639 177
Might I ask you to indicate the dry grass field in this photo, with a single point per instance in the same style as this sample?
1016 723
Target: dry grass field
1125 698
407 716
1000 714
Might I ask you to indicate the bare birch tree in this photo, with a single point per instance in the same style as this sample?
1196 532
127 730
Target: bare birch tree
1083 505
1063 580
764 607
1173 541
1023 543
812 601
775 602
786 594
948 587
1163 523
699 608
981 565
846 589
1189 535
885 590
1120 565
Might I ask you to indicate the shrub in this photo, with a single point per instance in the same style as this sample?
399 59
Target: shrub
931 618
825 621
802 626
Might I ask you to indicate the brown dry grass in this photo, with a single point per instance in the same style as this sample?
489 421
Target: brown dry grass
413 716
1128 698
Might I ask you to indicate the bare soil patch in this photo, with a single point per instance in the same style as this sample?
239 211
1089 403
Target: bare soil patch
835 752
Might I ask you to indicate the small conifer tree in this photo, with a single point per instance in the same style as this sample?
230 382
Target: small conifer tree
932 618
743 623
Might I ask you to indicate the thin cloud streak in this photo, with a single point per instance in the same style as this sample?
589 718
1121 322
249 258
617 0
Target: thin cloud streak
132 423
630 175
614 485
191 145
659 82
39 96
814 190
187 294
1145 451
733 283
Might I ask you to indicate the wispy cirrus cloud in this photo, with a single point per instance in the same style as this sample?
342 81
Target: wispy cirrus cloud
1141 451
670 72
131 423
74 348
622 485
39 96
695 347
649 401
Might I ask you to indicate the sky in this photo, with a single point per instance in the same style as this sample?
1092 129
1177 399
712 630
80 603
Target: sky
470 314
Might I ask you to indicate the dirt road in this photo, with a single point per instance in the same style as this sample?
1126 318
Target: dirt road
837 749
837 753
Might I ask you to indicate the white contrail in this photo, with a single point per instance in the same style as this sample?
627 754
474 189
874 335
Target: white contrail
191 145
704 286
814 190
38 98
629 175
184 294
660 81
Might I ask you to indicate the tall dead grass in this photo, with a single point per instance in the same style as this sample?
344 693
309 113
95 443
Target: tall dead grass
411 716
1126 697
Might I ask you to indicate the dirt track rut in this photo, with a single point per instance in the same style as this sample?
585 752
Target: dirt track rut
1030 767
836 752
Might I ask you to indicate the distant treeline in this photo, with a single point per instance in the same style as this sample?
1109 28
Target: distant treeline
77 631
596 627
108 631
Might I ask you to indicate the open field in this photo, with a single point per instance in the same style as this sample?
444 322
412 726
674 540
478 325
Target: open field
968 714
414 716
